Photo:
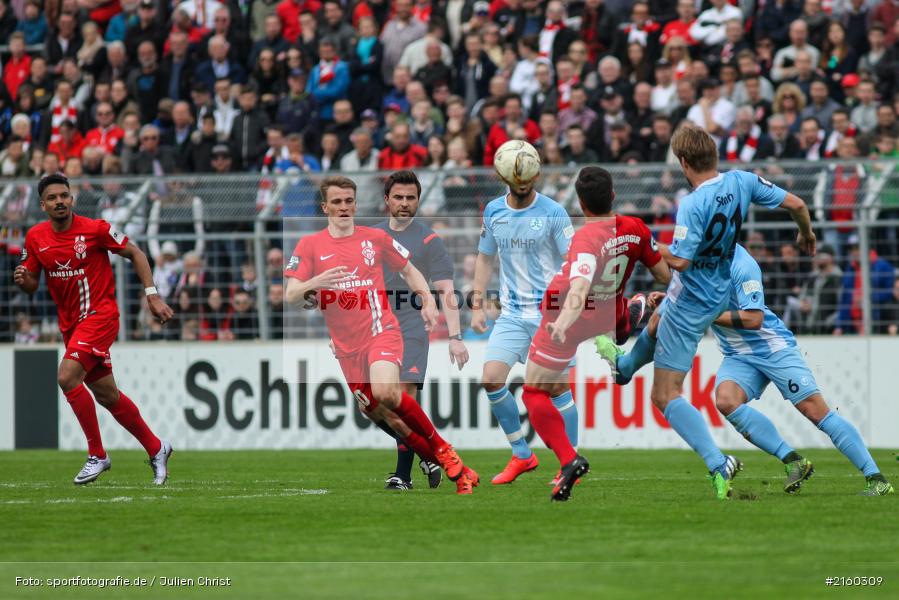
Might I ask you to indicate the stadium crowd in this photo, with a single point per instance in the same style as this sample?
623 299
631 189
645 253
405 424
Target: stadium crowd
152 88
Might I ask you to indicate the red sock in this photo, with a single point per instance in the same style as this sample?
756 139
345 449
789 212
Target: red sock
548 423
420 446
126 413
412 415
82 404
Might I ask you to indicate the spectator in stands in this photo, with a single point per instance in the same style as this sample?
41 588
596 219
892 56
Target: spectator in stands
422 125
710 28
881 287
344 124
576 151
473 71
214 318
660 141
366 86
871 60
167 270
784 144
434 71
64 41
106 134
784 67
62 108
18 67
14 160
178 67
334 26
147 29
297 110
219 64
329 155
69 144
577 113
329 80
34 25
178 137
712 112
837 57
202 141
242 322
201 12
399 153
864 115
789 101
885 14
272 39
307 43
821 106
225 108
397 33
746 142
145 82
819 296
151 158
116 62
364 156
501 132
289 12
247 138
231 30
91 57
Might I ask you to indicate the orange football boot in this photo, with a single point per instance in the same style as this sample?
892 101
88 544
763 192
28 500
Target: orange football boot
449 461
467 481
515 467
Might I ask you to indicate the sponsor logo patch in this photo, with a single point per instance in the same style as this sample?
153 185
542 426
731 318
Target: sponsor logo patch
568 232
750 287
293 263
401 249
680 232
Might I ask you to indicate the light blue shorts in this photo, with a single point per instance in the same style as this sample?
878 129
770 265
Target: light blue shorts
679 333
510 340
786 368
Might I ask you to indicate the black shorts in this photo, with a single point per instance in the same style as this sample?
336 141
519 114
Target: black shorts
415 359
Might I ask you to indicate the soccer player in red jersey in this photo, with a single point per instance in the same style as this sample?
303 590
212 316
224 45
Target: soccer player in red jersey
343 266
73 251
583 299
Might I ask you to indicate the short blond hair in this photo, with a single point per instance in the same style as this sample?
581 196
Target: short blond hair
696 147
338 181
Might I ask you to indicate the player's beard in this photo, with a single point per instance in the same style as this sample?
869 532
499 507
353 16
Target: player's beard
515 191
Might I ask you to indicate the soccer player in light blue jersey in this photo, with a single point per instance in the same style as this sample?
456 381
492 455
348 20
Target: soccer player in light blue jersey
706 231
530 234
759 349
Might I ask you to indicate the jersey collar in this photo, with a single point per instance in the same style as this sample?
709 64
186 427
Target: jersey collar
714 179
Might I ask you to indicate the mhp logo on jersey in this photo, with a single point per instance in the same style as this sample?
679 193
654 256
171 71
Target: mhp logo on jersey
368 253
80 247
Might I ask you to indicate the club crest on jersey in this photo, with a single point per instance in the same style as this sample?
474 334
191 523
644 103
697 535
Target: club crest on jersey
536 224
80 247
368 253
584 269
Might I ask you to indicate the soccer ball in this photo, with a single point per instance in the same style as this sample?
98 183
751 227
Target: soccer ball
517 162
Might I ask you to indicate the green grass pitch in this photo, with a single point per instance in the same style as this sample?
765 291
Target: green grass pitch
317 524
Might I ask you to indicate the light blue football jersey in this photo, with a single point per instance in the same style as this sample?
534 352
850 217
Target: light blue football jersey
706 232
532 243
747 293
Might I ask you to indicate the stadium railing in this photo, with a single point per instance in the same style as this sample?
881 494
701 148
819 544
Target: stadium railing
233 232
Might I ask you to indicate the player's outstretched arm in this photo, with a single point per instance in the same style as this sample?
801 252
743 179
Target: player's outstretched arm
419 285
799 212
26 280
156 304
482 268
741 319
661 272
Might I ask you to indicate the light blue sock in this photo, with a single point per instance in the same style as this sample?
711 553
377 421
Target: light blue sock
689 424
849 441
759 431
641 354
503 405
566 406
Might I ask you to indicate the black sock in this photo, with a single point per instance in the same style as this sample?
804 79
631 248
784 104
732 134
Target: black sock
389 430
877 477
791 457
404 458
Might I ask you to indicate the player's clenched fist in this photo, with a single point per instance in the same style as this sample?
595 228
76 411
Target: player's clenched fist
807 242
19 275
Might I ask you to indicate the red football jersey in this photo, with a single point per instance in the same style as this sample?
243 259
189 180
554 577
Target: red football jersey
76 261
605 252
360 309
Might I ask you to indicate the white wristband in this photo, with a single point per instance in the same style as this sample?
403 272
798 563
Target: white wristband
151 291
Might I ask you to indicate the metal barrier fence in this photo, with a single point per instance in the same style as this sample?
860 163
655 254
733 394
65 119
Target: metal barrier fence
218 243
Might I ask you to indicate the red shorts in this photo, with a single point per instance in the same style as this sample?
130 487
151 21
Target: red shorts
89 342
357 367
555 356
